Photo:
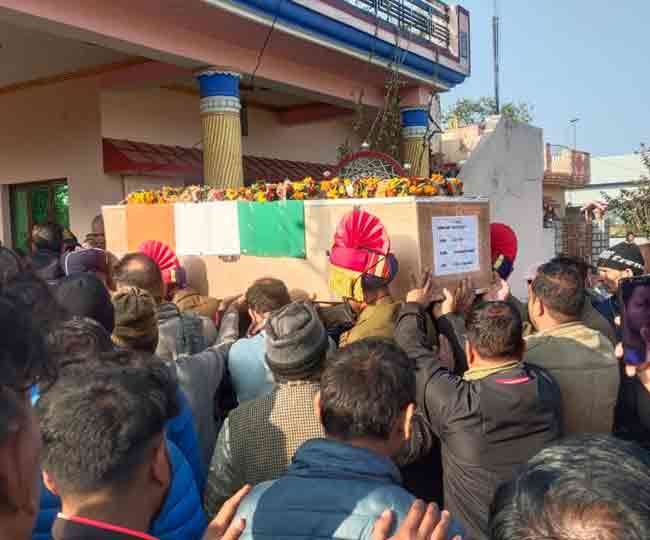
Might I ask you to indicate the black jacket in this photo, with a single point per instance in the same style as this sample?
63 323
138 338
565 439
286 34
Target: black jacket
487 428
81 529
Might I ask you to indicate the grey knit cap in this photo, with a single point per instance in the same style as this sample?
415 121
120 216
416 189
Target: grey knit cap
296 341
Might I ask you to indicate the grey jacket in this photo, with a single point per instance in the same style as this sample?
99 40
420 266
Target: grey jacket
182 334
199 377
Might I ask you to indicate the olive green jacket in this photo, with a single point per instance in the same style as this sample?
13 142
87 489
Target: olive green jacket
582 362
377 320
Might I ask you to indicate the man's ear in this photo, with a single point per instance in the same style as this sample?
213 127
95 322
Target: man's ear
538 306
407 426
470 353
160 466
317 410
50 484
627 273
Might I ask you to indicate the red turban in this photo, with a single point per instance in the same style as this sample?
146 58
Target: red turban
504 248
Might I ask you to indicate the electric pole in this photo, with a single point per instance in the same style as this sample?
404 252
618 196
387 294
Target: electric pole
495 46
574 123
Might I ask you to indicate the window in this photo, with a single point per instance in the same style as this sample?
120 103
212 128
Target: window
37 203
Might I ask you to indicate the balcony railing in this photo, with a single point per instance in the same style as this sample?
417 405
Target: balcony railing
427 19
565 167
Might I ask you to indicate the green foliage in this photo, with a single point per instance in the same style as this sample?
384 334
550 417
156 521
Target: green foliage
474 111
633 206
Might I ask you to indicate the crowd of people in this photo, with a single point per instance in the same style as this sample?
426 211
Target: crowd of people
134 407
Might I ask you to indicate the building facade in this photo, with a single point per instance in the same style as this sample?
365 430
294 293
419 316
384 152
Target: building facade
113 95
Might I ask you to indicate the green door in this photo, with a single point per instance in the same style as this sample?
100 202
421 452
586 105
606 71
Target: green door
33 204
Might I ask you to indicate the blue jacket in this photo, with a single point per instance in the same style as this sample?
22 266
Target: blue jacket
251 377
181 517
180 430
331 490
183 455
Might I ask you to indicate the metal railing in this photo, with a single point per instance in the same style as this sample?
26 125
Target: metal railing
427 19
565 166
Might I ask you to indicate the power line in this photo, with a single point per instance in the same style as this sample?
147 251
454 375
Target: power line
260 55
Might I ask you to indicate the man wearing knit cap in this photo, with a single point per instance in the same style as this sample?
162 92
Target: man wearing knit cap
199 375
339 484
259 438
179 334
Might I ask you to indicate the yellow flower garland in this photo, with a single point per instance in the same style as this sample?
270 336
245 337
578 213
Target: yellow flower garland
307 189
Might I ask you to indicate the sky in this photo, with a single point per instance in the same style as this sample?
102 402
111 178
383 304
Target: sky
585 59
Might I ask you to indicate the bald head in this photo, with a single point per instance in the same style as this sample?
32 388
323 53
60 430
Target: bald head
138 270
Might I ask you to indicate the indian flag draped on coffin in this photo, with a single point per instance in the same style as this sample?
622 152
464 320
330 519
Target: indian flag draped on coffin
272 229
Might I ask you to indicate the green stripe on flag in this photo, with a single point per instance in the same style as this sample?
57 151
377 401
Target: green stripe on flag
272 229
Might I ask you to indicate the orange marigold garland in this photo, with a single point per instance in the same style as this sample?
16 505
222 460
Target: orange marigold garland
307 189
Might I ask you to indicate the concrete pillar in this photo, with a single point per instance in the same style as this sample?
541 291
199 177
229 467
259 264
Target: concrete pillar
220 114
415 147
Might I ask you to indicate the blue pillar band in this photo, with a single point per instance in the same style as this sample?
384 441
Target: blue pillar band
415 121
219 91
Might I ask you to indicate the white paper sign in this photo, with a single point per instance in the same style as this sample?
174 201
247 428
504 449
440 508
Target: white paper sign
455 245
207 228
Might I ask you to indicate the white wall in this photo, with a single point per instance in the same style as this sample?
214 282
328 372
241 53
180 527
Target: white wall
54 132
548 245
508 167
314 142
159 116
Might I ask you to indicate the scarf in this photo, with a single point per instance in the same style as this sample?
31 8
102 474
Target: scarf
477 374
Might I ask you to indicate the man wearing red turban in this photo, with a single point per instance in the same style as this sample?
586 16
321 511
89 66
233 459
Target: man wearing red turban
361 269
504 249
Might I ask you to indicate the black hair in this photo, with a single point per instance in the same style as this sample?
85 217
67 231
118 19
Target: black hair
79 337
139 270
591 486
267 295
579 264
24 360
48 236
364 389
495 330
560 289
35 295
10 265
84 295
98 430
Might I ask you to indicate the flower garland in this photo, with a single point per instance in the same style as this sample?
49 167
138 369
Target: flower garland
307 189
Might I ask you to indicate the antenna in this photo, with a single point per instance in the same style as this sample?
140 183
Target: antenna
495 46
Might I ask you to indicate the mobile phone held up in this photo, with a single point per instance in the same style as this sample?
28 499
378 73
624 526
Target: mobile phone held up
634 300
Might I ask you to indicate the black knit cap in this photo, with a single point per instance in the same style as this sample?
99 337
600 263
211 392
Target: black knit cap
296 341
84 295
623 256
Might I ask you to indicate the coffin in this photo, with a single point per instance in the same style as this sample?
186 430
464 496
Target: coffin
450 235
